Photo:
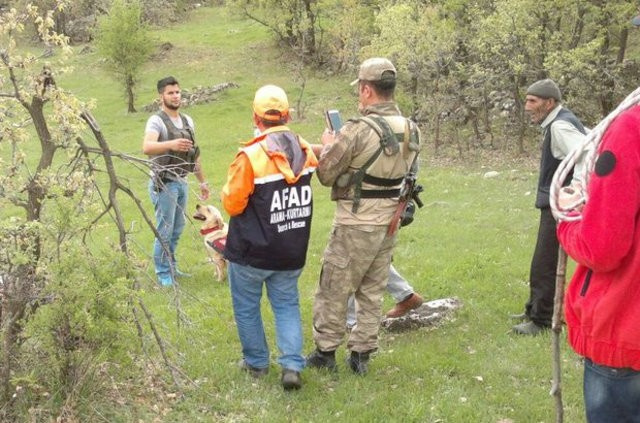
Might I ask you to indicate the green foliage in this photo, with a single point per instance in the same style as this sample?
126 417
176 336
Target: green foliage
472 240
421 43
123 39
61 307
464 65
348 29
295 24
78 329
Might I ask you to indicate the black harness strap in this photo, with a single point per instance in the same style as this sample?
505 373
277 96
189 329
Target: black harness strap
380 193
388 144
383 182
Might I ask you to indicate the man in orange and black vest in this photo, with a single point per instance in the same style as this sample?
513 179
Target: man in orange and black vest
268 196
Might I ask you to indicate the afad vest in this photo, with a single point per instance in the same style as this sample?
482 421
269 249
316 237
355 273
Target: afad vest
272 233
174 164
548 163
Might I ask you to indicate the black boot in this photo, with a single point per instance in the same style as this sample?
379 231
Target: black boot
291 379
322 360
358 362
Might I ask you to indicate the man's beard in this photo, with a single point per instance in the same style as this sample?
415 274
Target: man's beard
170 106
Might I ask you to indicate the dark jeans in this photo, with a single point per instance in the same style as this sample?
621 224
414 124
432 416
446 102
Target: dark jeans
542 277
611 394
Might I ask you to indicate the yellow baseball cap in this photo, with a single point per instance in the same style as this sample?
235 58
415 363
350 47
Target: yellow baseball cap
271 103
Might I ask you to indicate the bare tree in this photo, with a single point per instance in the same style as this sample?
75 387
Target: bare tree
32 103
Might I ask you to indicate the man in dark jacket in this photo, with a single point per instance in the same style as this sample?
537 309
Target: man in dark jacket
562 132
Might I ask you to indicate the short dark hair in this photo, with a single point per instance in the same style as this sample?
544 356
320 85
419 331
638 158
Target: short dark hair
385 87
169 80
272 123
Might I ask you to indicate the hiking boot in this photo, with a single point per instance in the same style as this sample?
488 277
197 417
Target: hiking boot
529 328
403 307
255 372
291 379
322 360
358 362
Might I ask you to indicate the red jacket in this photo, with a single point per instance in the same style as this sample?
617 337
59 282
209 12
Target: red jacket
603 298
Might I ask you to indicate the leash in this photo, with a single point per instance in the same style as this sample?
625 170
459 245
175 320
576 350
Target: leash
592 141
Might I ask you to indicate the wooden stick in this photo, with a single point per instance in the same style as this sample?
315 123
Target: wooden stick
556 327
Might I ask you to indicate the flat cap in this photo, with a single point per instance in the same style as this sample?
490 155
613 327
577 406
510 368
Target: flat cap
545 88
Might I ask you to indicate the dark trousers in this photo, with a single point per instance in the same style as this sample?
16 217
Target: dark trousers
542 277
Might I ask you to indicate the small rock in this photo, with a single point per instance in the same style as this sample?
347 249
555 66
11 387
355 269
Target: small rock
429 314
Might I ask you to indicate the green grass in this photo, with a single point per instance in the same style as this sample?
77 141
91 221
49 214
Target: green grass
473 240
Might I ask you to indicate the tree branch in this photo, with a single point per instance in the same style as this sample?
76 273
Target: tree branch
556 327
114 186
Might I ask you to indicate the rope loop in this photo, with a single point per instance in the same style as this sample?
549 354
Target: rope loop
591 144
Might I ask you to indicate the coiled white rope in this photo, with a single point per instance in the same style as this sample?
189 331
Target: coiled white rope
591 143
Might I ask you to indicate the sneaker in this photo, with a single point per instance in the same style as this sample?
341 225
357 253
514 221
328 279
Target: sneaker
322 360
403 307
528 328
358 362
255 372
165 280
291 379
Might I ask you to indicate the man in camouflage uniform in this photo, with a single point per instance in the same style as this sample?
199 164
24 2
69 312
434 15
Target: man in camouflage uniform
365 163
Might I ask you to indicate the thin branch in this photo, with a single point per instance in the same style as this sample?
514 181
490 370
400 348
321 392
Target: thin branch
112 204
160 343
556 327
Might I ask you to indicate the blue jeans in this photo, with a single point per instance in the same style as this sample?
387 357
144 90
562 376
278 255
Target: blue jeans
169 205
611 394
282 290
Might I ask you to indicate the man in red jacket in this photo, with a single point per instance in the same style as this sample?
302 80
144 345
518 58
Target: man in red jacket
603 298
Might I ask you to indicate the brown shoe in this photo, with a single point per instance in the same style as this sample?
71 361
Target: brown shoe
405 306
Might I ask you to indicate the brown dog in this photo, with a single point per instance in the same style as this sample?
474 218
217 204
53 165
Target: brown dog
214 231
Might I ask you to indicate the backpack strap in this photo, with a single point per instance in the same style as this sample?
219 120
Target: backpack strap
389 145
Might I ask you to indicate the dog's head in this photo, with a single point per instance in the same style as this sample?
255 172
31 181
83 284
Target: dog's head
210 216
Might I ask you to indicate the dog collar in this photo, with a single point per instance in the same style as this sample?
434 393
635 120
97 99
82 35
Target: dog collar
209 230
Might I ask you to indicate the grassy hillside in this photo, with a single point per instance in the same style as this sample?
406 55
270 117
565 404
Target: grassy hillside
472 240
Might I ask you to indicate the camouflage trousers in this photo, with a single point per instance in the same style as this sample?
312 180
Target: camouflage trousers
357 261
